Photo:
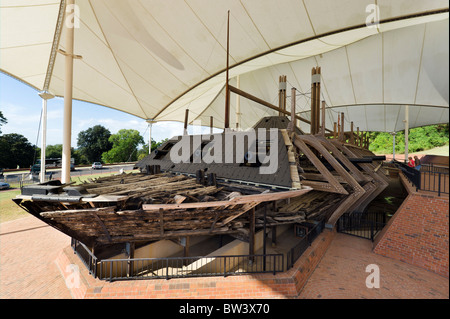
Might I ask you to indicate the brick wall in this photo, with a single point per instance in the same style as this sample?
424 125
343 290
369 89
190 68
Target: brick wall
418 233
280 286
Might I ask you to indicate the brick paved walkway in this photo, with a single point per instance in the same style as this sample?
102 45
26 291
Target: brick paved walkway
28 249
342 274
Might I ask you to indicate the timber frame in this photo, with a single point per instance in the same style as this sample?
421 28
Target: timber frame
320 176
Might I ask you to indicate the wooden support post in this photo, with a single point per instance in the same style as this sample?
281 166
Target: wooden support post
161 221
211 124
274 236
251 240
352 137
129 252
342 132
291 125
358 137
282 94
317 108
334 130
186 246
186 119
339 126
313 101
322 131
227 90
269 105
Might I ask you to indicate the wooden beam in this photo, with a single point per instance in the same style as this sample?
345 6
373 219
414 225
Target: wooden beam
251 243
317 108
322 130
211 124
352 136
186 119
266 197
291 124
267 104
227 91
313 102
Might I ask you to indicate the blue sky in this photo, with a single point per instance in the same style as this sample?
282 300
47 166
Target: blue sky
21 105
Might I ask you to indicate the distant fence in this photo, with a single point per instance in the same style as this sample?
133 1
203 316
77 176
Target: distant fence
361 224
21 179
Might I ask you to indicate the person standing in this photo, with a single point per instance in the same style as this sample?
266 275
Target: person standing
410 162
417 162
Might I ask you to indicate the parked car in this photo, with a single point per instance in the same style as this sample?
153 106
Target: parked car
97 165
35 169
4 185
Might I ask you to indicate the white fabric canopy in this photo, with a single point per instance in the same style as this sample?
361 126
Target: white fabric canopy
154 58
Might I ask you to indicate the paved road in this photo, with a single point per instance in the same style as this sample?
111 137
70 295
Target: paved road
79 171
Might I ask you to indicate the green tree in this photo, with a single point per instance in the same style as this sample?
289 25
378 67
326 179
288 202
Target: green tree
53 151
15 149
3 121
124 149
420 139
93 142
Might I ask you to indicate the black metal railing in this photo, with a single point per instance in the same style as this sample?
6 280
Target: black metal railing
434 179
361 224
177 267
430 178
411 174
297 251
86 256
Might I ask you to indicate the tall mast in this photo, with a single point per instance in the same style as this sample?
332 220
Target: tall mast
227 91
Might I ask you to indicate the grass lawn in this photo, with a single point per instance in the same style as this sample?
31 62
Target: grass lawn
8 209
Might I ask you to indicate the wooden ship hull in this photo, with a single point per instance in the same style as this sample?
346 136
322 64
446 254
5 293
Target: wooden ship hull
318 177
321 179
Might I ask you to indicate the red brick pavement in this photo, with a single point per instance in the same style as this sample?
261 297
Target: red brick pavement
29 248
342 274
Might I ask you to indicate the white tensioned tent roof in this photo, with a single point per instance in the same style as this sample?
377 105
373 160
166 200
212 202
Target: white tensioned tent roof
154 58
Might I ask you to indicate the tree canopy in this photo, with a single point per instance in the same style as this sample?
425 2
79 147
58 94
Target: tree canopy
420 139
15 149
93 142
125 145
3 121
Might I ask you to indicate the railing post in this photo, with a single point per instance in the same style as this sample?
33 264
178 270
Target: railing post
167 269
274 264
439 184
224 266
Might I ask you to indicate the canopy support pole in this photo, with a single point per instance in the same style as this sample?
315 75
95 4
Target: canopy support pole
406 132
150 126
68 92
45 96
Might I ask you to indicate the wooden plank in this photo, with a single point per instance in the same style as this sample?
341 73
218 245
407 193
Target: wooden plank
236 200
332 182
269 105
